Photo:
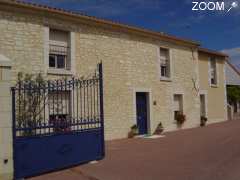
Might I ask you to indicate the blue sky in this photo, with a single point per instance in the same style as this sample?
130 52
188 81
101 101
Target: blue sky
219 30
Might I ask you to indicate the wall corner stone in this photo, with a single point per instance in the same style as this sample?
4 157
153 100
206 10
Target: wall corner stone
6 142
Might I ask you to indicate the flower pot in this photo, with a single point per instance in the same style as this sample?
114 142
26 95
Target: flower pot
133 132
203 121
180 118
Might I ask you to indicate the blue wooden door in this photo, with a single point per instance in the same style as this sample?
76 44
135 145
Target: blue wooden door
141 103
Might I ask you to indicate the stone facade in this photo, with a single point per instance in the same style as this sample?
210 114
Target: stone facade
6 152
22 42
216 95
130 62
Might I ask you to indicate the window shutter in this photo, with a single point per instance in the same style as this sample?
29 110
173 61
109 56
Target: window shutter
217 73
58 37
209 71
176 105
164 55
165 62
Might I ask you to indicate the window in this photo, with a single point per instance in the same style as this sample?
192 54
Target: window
57 60
58 50
213 71
178 104
202 105
59 103
165 62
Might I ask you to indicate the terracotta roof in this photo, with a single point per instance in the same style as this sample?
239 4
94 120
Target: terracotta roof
82 16
209 51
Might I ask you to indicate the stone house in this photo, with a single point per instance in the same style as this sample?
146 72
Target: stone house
169 72
148 77
213 84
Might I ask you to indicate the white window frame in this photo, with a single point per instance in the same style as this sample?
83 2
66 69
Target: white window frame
71 55
169 77
60 48
56 62
210 59
205 93
180 92
182 103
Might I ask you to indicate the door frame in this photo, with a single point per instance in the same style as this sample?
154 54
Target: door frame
203 92
149 107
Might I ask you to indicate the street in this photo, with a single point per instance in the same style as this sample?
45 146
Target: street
208 153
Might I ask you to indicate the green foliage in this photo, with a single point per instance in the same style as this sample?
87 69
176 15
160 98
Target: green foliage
29 100
159 129
233 93
134 127
180 118
134 130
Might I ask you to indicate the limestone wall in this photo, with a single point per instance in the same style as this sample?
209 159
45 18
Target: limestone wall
6 141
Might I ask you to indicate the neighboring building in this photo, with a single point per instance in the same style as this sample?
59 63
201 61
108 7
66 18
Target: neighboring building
232 75
148 76
233 81
212 85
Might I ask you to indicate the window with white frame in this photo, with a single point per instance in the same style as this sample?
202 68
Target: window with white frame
213 71
203 105
177 104
165 62
59 52
59 103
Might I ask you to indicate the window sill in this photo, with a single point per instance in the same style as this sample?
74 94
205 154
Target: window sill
165 79
214 85
60 72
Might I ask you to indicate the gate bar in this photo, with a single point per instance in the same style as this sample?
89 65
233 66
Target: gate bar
100 68
14 127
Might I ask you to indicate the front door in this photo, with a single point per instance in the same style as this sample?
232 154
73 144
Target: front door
141 103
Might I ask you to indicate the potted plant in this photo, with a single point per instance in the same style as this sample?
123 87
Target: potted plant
134 131
203 121
159 129
180 118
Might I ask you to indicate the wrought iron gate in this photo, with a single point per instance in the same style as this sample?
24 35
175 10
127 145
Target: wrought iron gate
57 124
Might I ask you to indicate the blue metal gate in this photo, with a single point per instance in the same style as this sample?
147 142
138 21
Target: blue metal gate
57 124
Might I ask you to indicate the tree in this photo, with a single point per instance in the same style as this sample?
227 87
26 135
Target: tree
30 95
233 93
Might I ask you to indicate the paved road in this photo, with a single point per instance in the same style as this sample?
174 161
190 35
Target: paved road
209 153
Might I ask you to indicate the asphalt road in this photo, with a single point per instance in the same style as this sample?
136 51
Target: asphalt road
209 153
